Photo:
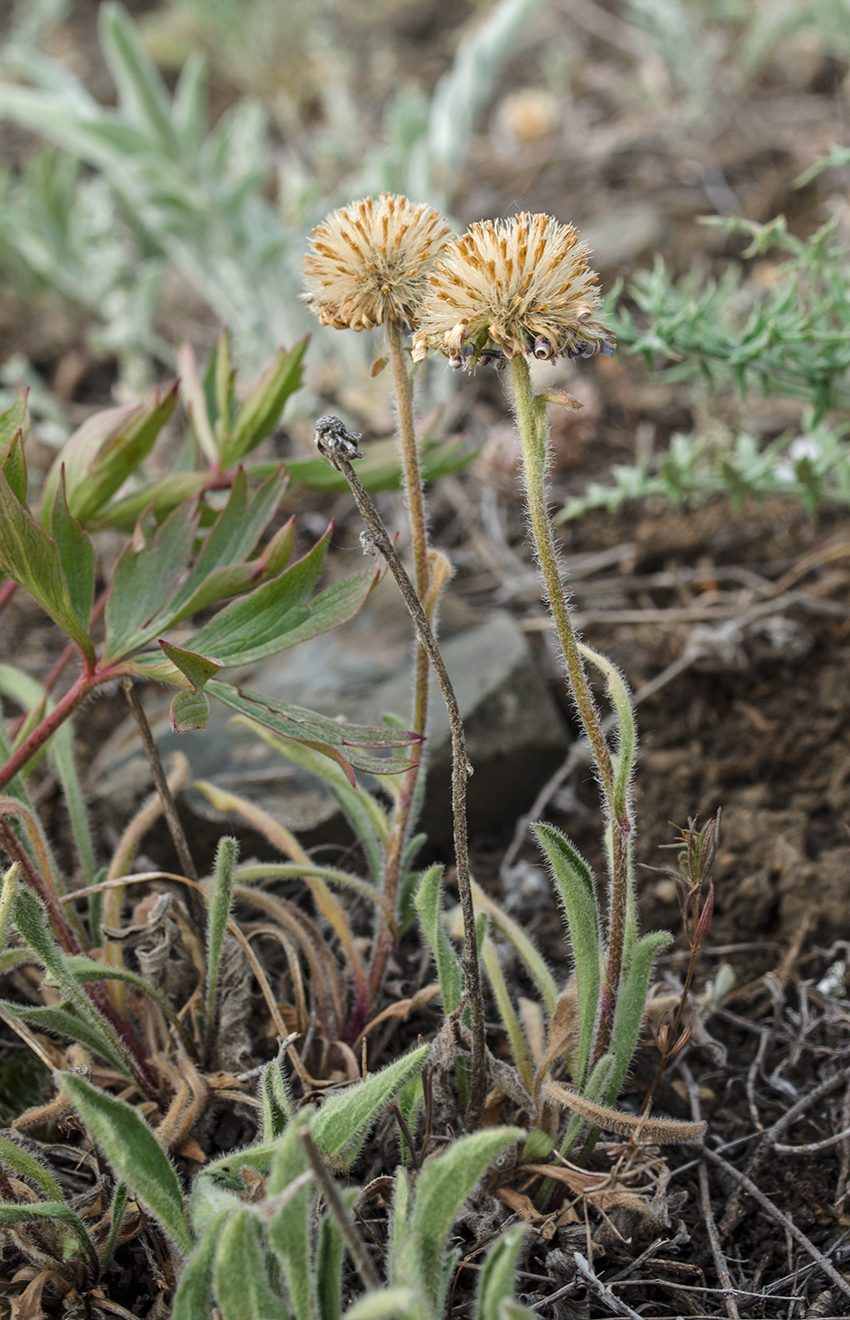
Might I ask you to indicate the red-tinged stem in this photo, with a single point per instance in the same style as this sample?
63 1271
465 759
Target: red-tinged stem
85 684
62 928
6 592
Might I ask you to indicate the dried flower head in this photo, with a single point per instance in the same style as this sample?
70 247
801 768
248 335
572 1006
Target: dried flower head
517 286
370 262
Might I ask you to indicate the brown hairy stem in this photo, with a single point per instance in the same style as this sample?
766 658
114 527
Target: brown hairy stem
337 444
169 806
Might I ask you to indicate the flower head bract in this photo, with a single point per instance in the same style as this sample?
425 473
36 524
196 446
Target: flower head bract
514 286
369 262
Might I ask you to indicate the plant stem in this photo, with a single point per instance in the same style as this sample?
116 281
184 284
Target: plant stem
169 806
419 534
75 695
461 769
533 430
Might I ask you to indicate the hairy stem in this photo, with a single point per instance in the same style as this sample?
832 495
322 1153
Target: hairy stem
461 769
169 806
533 430
415 494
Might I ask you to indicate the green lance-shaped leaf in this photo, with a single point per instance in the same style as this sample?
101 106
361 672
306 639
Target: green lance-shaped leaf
260 413
385 1304
242 1286
192 1298
275 1102
103 453
507 1012
25 1165
144 580
120 1196
349 745
15 468
577 891
289 1229
427 901
343 1121
496 1280
219 570
190 710
8 889
31 921
65 1022
631 1006
31 558
441 1189
60 1213
410 1100
256 626
13 420
330 1252
622 703
85 970
76 555
198 669
134 1153
218 913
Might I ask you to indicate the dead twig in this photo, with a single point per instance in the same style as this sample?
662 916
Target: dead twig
790 1228
705 1199
339 446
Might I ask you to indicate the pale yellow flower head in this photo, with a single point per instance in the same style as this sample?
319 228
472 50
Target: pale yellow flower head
514 286
369 262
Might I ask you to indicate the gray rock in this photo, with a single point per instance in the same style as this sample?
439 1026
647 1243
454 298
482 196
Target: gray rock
515 733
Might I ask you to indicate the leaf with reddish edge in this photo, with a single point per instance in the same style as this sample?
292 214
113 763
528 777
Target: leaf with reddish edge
197 668
13 420
103 452
258 626
189 712
261 410
143 581
76 555
15 467
31 558
347 744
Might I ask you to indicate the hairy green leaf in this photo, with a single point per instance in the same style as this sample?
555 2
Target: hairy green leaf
192 1298
134 1153
65 1022
496 1280
441 1189
289 1228
25 1165
578 896
344 1119
428 899
330 1252
55 1210
242 1286
386 1304
631 1005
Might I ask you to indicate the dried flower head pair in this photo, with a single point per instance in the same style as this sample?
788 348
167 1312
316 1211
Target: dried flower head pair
514 286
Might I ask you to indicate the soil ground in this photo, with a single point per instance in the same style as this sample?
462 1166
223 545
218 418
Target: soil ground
756 720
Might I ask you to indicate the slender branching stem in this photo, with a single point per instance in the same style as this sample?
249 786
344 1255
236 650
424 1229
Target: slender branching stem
415 494
169 806
533 430
378 537
333 1200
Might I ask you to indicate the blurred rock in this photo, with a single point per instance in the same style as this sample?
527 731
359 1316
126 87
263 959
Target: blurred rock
516 736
